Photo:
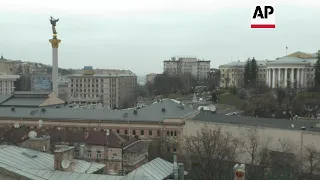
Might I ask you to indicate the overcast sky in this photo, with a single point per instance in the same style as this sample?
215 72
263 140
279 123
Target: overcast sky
140 34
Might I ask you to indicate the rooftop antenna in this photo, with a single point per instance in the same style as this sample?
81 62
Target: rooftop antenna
286 50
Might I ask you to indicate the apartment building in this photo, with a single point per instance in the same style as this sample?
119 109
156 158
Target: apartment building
113 90
296 69
187 65
7 83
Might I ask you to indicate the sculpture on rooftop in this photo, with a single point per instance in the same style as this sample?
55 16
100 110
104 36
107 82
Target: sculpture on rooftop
53 22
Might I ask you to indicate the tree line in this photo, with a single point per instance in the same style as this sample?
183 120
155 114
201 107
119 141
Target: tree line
212 153
165 84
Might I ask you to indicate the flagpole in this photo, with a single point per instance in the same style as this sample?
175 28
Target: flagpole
286 50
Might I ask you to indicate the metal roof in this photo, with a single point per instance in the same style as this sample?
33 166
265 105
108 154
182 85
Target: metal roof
152 113
157 169
23 101
242 64
26 158
56 175
291 60
107 75
254 121
4 97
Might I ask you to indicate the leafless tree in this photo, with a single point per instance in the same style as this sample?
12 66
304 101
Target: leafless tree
310 163
259 154
210 154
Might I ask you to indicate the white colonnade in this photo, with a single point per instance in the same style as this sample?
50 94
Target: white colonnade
279 76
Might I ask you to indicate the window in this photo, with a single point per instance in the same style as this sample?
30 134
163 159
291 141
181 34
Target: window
175 133
158 133
76 153
89 153
133 132
118 131
150 133
168 133
142 132
125 131
171 133
98 154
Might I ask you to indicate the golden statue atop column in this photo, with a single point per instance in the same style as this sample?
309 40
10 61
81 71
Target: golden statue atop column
54 41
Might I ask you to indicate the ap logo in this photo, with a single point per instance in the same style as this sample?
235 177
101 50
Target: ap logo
263 17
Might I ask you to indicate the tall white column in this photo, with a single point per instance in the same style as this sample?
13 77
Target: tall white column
285 77
273 77
279 77
55 44
270 77
298 78
267 78
292 77
302 77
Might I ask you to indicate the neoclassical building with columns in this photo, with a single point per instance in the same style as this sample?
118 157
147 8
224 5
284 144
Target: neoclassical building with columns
296 70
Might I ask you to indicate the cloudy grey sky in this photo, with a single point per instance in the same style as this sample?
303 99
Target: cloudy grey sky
139 34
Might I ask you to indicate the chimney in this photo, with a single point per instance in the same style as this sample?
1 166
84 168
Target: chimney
81 151
64 158
181 171
175 168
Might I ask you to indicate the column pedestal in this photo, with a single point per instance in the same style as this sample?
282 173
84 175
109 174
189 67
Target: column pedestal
55 45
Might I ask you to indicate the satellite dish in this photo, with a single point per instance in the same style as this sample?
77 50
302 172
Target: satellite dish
16 125
32 134
65 164
108 132
40 123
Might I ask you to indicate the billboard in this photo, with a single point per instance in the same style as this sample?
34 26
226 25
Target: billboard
41 83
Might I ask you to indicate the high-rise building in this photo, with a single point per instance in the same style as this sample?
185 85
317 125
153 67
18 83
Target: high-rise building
197 68
113 90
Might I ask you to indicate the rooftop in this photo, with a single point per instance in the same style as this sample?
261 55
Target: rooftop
310 125
55 175
21 158
157 169
108 75
98 138
27 99
164 109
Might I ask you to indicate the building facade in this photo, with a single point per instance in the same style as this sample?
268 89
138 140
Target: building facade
112 90
41 83
63 89
7 83
295 69
274 134
150 77
195 67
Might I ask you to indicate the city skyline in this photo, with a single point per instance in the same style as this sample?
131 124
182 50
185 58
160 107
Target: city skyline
124 35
